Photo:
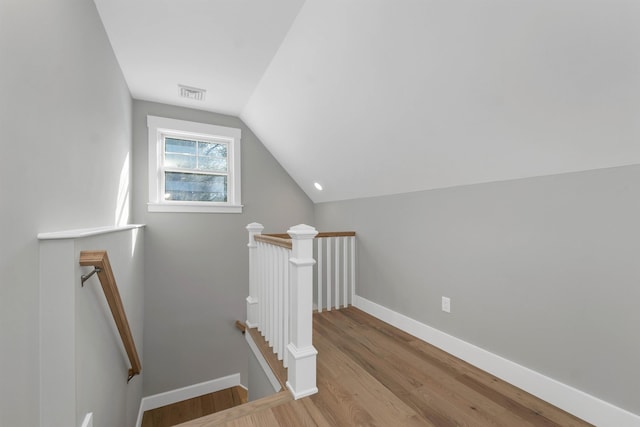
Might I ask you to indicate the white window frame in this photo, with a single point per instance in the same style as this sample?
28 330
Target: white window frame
159 127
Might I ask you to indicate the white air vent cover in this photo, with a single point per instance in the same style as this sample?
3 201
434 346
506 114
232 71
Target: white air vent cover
192 92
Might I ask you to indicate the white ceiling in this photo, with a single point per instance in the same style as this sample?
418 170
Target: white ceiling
223 46
374 97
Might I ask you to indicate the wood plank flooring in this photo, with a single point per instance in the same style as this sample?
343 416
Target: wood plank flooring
372 374
190 409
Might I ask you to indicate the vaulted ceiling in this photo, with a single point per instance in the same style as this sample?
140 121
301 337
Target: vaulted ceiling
375 97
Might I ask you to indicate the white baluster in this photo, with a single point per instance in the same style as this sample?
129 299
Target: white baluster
345 284
276 301
282 265
337 272
286 310
262 301
329 245
268 301
353 268
319 243
265 284
274 304
272 281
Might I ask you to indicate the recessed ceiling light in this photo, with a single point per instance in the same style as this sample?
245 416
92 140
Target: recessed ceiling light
318 186
192 92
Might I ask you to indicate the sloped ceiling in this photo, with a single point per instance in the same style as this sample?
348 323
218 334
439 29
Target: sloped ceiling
375 97
223 46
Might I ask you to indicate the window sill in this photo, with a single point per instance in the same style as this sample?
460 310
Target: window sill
186 207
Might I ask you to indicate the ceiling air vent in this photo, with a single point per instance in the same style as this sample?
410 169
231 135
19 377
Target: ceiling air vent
192 92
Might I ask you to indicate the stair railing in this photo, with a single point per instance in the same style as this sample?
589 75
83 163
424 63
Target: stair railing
100 261
336 269
280 302
335 273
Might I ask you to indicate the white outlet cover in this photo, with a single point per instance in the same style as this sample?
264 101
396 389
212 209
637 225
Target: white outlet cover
446 304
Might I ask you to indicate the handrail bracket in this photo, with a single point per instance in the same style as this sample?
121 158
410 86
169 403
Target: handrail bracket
86 277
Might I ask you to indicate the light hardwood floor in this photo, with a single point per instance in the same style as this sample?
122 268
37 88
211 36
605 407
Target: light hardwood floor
372 374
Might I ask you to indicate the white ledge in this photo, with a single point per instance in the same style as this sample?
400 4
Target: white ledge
86 232
193 207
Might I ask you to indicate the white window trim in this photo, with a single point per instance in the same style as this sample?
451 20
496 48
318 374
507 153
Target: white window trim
160 125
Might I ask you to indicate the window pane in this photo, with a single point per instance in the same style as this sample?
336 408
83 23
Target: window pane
212 156
195 187
184 146
212 149
180 161
212 164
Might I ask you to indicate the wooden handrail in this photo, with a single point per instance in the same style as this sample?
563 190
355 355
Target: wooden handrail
320 235
275 240
241 326
335 234
100 260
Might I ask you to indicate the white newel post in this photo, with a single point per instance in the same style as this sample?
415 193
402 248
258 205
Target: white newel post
252 300
302 355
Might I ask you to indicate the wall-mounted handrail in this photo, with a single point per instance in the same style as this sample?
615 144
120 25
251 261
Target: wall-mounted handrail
100 261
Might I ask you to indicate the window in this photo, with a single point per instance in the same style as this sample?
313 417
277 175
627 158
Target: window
193 167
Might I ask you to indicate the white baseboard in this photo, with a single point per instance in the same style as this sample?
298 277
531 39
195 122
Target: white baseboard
572 400
184 393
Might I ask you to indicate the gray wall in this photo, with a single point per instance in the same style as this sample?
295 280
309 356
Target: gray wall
83 362
197 265
101 368
258 383
65 119
543 271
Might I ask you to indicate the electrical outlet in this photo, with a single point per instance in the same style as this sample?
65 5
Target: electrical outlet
446 304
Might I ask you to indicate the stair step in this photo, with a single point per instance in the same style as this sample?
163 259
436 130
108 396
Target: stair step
223 417
179 412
